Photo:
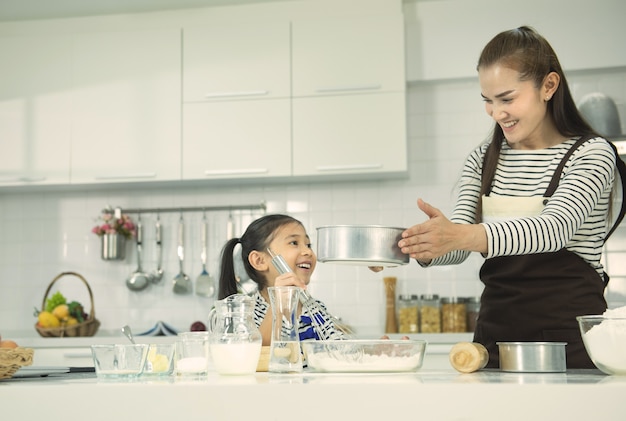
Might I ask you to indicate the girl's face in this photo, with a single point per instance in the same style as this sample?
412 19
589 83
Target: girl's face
519 107
292 242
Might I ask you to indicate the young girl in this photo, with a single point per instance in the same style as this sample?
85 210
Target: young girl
284 236
534 201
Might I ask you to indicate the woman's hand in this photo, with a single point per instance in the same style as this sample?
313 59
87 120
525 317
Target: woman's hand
438 236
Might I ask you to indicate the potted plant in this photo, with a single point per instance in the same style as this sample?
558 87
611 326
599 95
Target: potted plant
114 230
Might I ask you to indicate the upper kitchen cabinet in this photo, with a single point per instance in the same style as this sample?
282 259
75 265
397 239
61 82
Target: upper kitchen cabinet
444 41
237 61
126 106
347 55
236 111
349 134
349 106
35 110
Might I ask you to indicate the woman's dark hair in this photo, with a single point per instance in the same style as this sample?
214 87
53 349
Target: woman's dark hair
527 52
258 236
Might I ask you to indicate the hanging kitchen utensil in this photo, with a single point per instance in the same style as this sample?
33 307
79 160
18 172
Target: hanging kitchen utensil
138 280
182 283
157 274
205 285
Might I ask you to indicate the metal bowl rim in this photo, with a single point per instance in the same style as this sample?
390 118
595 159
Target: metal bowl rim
359 226
531 343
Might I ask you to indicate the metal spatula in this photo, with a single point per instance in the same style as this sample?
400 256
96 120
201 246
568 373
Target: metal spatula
182 283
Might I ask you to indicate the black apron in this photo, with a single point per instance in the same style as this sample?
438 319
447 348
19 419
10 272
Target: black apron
537 297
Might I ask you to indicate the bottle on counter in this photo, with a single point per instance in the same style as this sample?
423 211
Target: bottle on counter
391 324
473 306
453 315
408 313
429 313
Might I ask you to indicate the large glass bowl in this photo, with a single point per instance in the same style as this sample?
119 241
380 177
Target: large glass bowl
364 356
605 342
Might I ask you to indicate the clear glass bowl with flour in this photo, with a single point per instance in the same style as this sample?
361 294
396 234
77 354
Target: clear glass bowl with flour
604 337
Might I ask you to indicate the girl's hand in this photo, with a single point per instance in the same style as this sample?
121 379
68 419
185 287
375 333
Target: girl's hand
289 279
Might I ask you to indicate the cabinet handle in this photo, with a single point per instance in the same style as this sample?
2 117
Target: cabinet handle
348 167
211 173
22 179
235 94
123 176
348 88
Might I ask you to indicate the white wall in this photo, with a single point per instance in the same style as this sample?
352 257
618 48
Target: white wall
46 232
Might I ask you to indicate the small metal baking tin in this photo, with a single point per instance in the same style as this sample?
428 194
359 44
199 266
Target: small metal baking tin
532 357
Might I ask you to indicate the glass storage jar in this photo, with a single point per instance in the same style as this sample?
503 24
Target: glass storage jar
429 313
407 313
453 315
473 306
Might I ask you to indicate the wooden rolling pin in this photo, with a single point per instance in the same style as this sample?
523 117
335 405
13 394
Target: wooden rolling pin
467 357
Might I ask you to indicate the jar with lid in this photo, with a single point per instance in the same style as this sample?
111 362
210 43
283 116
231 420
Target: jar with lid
407 313
429 313
473 306
453 315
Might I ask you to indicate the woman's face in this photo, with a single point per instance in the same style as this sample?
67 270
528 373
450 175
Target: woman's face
519 107
292 242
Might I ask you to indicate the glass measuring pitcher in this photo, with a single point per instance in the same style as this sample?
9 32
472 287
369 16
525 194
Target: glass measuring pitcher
285 353
234 339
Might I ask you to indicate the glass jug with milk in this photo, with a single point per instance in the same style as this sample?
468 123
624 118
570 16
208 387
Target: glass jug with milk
234 339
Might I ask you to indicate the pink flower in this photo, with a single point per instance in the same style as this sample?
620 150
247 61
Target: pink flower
111 225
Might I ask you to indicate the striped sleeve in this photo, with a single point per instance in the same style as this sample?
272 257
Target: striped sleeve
574 217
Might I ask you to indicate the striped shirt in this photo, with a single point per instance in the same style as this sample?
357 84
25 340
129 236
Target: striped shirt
324 327
575 217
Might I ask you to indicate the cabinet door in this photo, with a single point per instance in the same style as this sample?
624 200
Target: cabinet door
349 134
236 61
359 54
35 110
126 106
236 139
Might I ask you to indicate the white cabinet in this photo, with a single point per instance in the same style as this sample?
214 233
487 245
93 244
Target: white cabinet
233 62
349 108
236 139
236 89
445 40
350 134
35 110
357 54
126 106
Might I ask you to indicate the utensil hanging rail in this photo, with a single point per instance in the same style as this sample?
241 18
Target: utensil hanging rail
118 210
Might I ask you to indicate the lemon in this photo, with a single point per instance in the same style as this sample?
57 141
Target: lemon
71 321
47 319
159 363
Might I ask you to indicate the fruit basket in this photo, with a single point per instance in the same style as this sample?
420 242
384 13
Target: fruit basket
88 327
12 359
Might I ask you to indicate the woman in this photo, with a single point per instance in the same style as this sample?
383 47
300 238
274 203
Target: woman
534 201
284 236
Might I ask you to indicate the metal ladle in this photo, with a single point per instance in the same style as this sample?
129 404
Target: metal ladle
138 280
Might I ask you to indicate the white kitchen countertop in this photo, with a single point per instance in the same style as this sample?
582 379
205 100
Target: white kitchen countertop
426 394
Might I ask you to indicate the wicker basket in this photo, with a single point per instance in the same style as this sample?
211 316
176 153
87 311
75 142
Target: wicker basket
12 359
87 328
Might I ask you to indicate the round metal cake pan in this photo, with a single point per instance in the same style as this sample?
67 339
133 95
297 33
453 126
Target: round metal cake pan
367 245
532 357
